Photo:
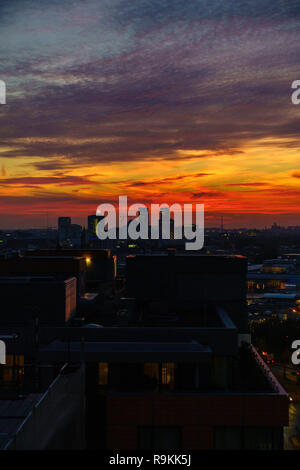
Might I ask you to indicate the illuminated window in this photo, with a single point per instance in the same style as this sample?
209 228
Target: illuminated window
103 373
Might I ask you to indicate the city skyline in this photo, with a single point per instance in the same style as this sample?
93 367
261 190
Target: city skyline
163 101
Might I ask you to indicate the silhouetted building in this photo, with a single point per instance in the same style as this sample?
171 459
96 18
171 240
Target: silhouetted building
92 238
63 225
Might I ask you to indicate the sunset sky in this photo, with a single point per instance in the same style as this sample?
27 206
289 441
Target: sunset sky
160 100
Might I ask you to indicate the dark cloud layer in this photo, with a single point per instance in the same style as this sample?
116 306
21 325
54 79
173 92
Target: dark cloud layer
39 180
